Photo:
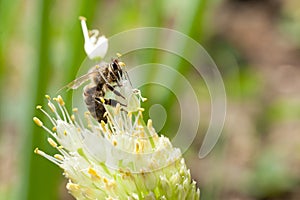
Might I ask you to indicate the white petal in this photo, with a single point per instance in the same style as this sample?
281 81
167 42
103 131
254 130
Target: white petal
94 46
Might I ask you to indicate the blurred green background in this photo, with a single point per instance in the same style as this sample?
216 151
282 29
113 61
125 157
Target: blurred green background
255 44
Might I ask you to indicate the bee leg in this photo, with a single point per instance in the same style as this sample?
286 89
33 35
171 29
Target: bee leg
111 88
110 102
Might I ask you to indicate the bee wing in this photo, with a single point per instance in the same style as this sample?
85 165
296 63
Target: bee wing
78 81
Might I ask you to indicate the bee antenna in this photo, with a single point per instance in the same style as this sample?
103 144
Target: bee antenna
127 77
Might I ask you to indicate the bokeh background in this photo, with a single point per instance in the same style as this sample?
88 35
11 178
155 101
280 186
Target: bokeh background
255 44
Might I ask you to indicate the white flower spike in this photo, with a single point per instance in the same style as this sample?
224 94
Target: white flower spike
95 46
121 159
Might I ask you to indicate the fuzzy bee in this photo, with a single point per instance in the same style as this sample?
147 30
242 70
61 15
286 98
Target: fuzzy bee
104 77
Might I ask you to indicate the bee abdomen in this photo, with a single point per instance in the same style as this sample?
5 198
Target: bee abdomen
95 107
97 110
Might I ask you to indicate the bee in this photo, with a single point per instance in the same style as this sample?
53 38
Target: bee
104 77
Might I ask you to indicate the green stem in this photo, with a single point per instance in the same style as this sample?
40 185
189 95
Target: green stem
40 179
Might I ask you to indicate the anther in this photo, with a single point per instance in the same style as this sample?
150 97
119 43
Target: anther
121 64
141 109
93 172
36 150
52 142
105 180
81 18
137 147
149 123
144 99
39 152
48 97
72 186
37 121
60 100
58 156
52 107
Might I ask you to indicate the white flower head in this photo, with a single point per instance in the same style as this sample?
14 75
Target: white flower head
95 46
121 159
